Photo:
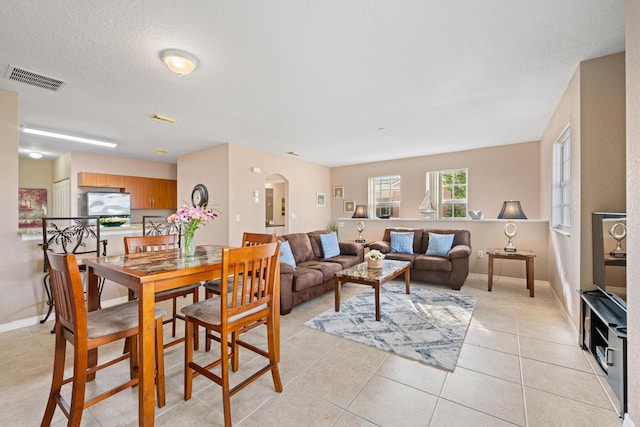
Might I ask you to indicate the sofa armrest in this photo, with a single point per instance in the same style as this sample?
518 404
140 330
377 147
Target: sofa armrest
381 245
460 251
350 248
286 288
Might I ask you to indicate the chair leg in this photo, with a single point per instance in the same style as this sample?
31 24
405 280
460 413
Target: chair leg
58 376
234 351
188 357
47 288
160 388
175 317
131 346
79 383
196 338
272 344
224 369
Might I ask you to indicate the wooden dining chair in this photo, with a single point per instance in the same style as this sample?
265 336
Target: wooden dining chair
212 287
158 243
87 331
252 299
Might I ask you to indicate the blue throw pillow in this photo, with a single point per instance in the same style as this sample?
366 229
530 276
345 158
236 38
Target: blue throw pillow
330 246
401 243
439 244
287 255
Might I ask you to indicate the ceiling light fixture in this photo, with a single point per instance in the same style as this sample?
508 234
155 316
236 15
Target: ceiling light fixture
179 61
35 155
69 137
293 153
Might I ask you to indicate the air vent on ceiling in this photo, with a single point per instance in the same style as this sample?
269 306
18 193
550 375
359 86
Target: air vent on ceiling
34 79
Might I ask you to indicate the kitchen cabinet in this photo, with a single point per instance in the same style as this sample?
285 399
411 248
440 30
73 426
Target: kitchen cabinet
152 193
146 193
91 179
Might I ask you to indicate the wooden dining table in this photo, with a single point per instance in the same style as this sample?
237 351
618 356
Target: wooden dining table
146 273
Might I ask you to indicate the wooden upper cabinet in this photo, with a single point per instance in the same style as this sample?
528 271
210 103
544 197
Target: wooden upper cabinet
146 193
90 179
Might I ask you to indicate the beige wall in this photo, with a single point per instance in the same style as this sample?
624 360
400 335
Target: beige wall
633 203
226 170
496 174
594 107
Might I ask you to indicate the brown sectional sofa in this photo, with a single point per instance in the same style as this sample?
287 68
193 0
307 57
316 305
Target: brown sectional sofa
451 270
313 275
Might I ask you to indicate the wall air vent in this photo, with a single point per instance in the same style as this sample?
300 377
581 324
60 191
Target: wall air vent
34 79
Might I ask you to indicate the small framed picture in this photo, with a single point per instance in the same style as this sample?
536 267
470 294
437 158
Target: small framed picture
349 206
338 192
320 199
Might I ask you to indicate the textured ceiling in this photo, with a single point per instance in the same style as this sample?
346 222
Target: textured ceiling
339 81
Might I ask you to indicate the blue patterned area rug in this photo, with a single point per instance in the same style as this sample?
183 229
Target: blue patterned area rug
425 325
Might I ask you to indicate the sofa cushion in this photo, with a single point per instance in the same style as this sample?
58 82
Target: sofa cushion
401 257
287 255
345 261
402 242
330 247
316 245
304 278
328 269
439 244
417 239
300 246
432 263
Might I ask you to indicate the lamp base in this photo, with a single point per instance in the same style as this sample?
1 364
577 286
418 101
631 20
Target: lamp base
510 249
360 240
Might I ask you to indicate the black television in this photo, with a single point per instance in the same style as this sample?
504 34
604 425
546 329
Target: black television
609 232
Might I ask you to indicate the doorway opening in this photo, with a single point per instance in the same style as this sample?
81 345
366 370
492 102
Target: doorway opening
276 189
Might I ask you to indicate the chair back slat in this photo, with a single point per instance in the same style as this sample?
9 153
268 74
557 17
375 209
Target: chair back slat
68 292
250 290
253 239
134 244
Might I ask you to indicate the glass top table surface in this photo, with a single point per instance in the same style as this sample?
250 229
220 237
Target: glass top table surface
362 272
163 261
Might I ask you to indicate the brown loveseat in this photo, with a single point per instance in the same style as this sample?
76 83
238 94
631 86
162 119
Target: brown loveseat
312 275
451 270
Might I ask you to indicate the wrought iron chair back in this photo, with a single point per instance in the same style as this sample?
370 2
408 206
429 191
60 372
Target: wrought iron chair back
79 235
157 225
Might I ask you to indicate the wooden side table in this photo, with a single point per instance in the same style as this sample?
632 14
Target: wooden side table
521 254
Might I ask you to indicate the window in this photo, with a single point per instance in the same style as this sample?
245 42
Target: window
561 179
447 194
384 196
453 193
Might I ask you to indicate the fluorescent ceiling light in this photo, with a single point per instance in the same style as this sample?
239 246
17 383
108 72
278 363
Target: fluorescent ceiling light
69 137
35 155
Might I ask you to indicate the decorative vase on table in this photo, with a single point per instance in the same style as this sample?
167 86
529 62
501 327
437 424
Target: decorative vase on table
189 244
374 264
190 219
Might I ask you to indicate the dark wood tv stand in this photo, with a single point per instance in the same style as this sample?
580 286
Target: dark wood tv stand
604 322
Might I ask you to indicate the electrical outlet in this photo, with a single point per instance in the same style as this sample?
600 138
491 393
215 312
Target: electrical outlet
480 254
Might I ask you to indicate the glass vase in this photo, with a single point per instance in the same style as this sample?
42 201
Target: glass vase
188 244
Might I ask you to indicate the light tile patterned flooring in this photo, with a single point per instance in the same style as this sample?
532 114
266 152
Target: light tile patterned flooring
520 365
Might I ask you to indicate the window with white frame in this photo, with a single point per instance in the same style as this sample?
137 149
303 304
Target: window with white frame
453 193
384 196
561 210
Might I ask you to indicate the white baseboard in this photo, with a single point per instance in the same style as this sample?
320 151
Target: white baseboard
32 321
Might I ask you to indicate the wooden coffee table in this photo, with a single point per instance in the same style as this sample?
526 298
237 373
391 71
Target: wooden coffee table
363 275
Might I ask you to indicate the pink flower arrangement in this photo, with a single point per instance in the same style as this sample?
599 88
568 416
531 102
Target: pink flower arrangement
190 218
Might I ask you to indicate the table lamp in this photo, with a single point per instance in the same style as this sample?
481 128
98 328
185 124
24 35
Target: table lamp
511 210
360 212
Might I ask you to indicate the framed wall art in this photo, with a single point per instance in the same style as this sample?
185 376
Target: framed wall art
349 206
320 199
32 206
338 192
